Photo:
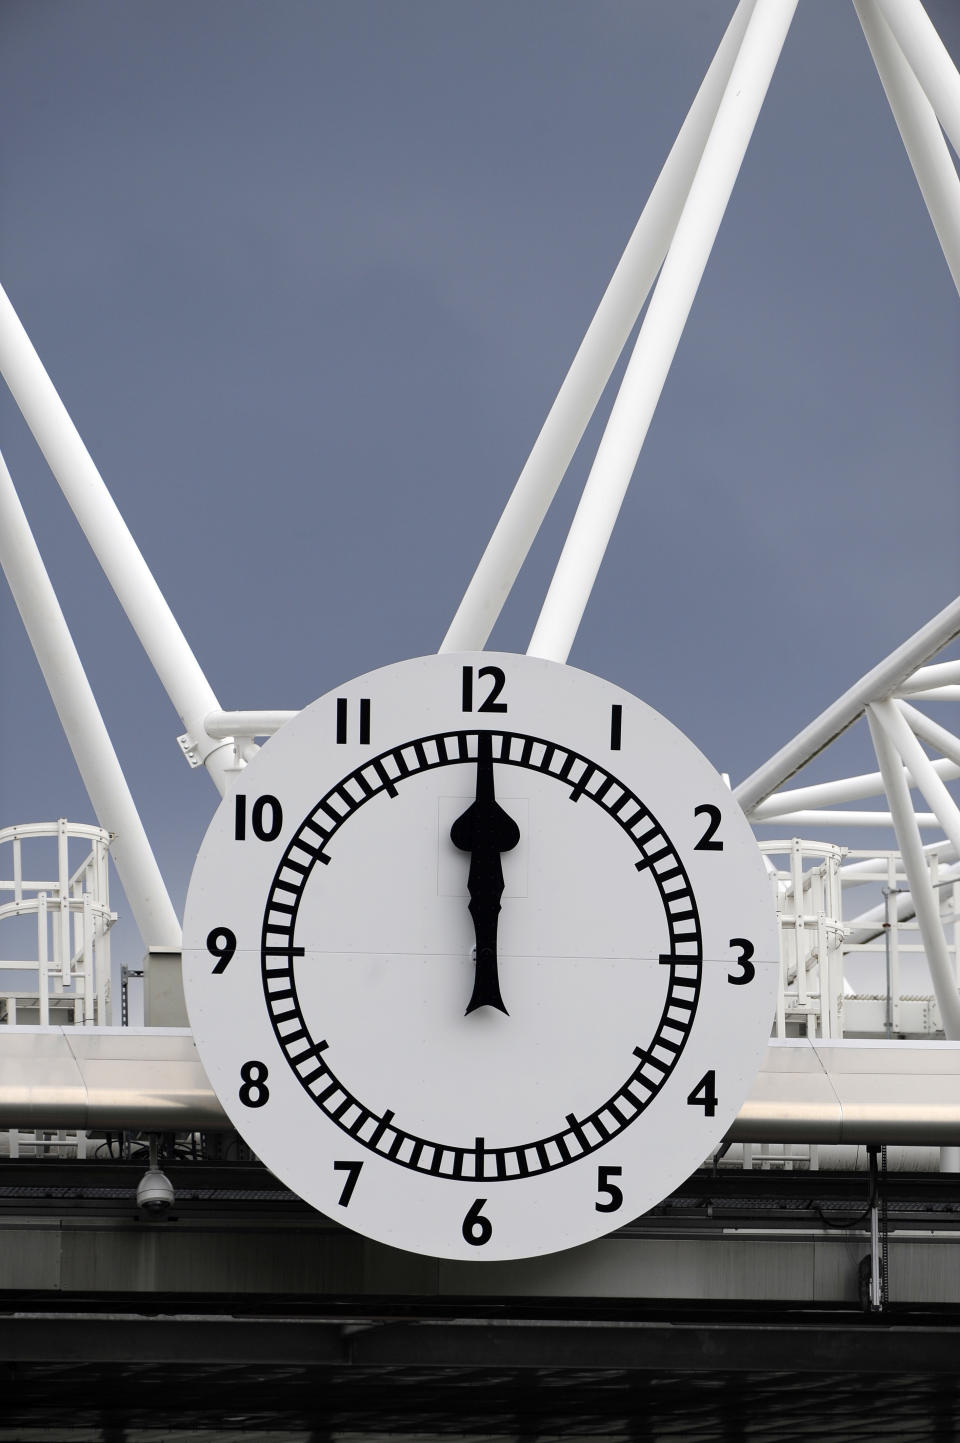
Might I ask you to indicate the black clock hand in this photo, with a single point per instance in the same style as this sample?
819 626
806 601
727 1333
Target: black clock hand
485 830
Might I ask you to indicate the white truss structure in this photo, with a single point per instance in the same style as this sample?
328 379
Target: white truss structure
912 890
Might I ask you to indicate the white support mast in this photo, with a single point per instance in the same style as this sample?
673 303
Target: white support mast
919 129
662 328
83 725
591 367
108 534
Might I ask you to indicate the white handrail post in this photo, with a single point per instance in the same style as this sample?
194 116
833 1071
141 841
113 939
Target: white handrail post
82 723
662 327
918 878
590 369
108 534
922 137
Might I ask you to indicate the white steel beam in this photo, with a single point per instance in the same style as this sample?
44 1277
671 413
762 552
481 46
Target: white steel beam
938 693
936 735
83 725
591 367
921 768
925 903
826 794
110 538
920 131
661 330
929 59
814 818
245 723
925 678
881 682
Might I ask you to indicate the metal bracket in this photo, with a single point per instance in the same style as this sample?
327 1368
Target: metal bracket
189 748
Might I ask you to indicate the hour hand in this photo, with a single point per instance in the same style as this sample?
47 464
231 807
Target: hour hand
485 830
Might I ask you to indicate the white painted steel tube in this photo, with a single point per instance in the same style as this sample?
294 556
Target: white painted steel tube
920 767
590 369
826 794
82 723
943 673
879 683
660 332
245 723
920 131
925 902
814 818
938 693
108 535
932 732
929 59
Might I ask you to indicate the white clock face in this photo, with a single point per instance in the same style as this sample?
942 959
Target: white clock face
481 957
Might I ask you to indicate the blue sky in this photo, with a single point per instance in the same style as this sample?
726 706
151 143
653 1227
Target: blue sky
308 277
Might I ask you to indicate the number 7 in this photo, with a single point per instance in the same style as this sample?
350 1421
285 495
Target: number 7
352 1169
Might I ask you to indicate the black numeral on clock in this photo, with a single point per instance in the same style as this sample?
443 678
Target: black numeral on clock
489 703
705 1093
708 842
266 818
477 1229
221 943
747 970
254 1092
343 721
352 1169
604 1185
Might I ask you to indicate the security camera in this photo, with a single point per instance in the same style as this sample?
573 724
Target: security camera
155 1192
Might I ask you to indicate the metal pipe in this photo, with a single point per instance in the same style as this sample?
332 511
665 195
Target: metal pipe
925 677
938 693
245 723
921 768
108 534
840 819
82 723
920 131
590 369
929 59
880 682
932 732
925 902
660 332
846 789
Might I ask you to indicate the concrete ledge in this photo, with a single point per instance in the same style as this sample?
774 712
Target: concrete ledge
151 1079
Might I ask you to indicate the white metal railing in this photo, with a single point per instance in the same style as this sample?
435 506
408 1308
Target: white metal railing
853 961
58 970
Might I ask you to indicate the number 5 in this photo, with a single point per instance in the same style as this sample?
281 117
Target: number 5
604 1185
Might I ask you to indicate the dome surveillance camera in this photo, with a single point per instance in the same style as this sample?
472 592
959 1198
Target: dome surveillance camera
155 1192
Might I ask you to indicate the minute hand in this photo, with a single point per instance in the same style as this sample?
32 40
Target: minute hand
485 830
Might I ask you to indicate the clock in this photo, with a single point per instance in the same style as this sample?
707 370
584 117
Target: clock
480 956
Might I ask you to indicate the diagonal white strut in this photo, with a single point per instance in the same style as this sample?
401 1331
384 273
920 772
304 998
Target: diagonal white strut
108 534
921 134
83 725
925 901
662 328
591 367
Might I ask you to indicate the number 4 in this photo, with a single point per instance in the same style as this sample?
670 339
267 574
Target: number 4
705 1093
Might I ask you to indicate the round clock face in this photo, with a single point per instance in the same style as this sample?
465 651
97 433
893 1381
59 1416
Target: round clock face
480 957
